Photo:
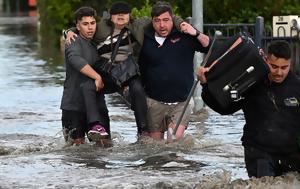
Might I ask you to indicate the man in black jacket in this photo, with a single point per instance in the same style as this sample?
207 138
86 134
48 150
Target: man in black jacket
272 114
167 69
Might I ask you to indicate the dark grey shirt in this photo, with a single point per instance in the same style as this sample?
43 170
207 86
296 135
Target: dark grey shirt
77 55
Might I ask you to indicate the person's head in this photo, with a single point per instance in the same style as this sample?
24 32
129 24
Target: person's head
162 18
85 18
279 60
120 14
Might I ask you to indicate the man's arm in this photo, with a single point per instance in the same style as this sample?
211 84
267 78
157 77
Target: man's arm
177 22
209 99
90 72
75 59
189 29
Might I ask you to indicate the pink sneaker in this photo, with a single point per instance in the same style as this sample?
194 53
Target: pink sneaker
97 133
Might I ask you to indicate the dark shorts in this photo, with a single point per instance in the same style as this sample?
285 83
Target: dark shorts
74 124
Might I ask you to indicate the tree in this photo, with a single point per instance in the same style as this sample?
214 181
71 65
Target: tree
56 15
240 11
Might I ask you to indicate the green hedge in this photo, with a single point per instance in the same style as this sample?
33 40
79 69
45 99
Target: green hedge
56 15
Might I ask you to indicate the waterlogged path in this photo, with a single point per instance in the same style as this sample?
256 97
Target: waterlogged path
33 153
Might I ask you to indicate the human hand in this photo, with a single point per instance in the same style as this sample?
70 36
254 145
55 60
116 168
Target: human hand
201 74
70 37
99 83
188 29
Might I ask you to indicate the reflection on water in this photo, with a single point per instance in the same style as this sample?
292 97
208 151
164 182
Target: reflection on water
34 155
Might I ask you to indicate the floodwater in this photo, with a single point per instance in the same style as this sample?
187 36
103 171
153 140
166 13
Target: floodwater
33 153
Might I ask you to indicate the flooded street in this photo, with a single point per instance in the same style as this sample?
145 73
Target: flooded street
33 153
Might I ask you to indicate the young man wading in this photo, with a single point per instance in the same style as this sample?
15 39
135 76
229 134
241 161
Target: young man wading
80 56
271 109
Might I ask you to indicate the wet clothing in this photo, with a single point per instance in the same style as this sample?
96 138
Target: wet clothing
105 39
160 115
135 26
105 43
74 120
74 124
272 115
104 29
136 94
125 48
260 163
168 69
77 55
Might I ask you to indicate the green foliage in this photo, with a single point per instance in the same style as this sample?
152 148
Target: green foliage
56 15
241 11
144 11
183 7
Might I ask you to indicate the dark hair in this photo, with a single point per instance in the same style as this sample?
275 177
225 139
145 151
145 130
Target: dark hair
84 11
161 7
280 49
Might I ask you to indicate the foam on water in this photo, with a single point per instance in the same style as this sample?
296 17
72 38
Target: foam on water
26 163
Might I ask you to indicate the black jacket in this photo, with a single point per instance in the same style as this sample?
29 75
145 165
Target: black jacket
272 115
168 70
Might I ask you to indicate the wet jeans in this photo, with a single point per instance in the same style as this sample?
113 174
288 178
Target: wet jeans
74 124
260 163
95 105
137 100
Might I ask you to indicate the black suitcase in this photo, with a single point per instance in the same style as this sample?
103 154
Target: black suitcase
235 66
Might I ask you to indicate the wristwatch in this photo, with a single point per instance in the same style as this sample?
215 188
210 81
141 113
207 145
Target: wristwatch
197 32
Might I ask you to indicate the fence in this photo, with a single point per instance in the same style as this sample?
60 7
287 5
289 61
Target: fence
262 36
